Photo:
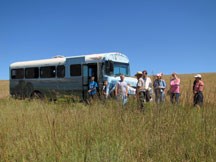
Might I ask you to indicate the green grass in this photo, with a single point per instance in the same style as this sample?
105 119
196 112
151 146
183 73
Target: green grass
44 131
66 131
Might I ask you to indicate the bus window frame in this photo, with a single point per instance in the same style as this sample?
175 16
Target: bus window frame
35 77
51 75
15 70
59 71
79 73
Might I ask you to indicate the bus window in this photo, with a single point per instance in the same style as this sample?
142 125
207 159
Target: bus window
60 71
109 67
17 73
31 73
48 72
75 70
120 68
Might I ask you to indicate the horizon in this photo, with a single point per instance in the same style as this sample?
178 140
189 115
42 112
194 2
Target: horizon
158 36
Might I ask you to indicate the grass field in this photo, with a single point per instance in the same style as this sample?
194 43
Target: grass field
66 131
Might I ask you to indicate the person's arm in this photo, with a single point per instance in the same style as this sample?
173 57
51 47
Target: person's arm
201 86
176 82
126 90
172 83
149 84
164 84
116 89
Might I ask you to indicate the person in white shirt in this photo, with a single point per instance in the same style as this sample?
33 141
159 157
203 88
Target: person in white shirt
121 90
147 86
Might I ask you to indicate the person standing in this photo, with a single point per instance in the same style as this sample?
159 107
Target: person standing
159 88
121 90
140 90
198 90
105 89
92 88
174 89
147 86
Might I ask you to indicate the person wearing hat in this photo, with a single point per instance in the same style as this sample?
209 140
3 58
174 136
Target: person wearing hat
147 86
198 87
140 90
174 88
159 88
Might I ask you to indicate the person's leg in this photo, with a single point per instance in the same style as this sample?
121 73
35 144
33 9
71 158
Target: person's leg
124 100
141 101
171 97
144 96
119 100
200 98
162 96
157 96
177 95
147 96
195 99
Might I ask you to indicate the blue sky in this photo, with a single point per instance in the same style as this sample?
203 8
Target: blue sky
157 35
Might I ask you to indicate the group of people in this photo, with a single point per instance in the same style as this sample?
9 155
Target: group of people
145 89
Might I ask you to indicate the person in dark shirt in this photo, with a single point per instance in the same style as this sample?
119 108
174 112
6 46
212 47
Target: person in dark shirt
198 87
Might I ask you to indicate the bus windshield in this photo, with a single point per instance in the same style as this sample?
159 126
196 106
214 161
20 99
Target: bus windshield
118 69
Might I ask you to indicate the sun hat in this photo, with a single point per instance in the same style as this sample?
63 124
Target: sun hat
138 73
158 75
198 76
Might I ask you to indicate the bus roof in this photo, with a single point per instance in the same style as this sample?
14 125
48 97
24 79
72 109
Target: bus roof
38 63
113 56
91 58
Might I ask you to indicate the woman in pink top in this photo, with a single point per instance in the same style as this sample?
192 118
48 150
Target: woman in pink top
174 89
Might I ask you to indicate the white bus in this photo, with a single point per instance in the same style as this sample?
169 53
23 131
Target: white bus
67 75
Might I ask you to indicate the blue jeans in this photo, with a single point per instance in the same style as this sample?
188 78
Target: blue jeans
174 98
159 96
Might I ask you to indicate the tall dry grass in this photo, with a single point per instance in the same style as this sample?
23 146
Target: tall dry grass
4 89
47 131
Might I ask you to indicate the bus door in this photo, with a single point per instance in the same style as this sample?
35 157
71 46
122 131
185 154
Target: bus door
88 71
92 71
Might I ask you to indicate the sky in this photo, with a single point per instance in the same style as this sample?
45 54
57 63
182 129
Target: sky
157 35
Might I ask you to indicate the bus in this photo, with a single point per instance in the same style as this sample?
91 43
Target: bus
60 76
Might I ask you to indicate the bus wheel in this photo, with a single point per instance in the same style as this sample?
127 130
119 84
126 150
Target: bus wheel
37 95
